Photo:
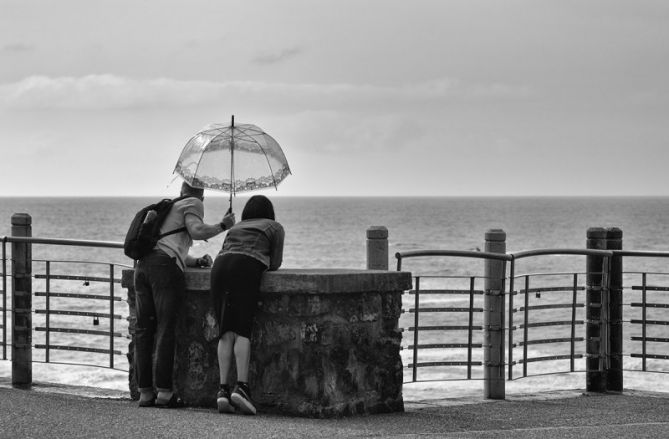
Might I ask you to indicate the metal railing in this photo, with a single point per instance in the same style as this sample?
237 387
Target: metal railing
556 315
551 314
557 321
463 323
63 306
653 321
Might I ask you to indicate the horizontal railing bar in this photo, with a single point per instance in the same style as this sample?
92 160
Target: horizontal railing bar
71 277
651 356
649 288
445 363
649 322
447 276
78 313
60 241
77 348
550 357
433 291
457 253
649 305
554 306
81 364
546 274
79 331
561 251
445 345
445 328
550 289
652 339
646 254
550 340
446 309
551 323
77 296
654 273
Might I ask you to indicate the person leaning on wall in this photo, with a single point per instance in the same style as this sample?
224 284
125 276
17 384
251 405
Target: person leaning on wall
160 287
251 247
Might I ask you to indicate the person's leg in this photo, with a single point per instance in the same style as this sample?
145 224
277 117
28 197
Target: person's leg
242 357
144 334
243 297
169 288
225 346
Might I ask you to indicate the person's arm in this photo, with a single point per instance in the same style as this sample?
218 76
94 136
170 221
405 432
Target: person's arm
198 229
276 254
201 262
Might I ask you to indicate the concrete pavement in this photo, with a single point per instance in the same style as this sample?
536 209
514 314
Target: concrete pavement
49 411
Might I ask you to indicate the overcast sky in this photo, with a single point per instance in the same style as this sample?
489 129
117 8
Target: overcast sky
387 97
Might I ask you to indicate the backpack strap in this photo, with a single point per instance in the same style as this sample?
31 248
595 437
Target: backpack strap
180 229
172 232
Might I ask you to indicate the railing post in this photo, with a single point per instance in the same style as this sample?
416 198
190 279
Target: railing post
595 374
377 248
22 373
493 317
614 378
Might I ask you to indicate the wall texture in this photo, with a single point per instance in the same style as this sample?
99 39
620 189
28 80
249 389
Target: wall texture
326 343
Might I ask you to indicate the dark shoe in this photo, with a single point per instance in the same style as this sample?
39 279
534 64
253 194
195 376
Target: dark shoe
147 403
223 402
174 403
149 399
241 399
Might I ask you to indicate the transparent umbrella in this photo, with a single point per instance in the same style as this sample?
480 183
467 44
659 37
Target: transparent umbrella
232 158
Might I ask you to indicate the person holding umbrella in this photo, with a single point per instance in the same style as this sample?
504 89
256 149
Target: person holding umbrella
251 247
159 286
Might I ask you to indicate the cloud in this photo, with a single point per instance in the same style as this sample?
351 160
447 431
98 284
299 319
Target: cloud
16 48
278 56
103 92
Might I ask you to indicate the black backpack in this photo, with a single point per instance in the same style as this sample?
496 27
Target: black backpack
144 230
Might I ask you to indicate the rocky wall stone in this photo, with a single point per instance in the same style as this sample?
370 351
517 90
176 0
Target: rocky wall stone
320 348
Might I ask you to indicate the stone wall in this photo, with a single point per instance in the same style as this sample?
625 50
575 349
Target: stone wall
325 342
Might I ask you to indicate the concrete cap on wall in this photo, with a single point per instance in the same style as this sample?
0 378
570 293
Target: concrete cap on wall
305 281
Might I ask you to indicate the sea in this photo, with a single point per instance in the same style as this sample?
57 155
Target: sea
331 232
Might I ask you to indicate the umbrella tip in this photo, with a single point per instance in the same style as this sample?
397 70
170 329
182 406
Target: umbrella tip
233 121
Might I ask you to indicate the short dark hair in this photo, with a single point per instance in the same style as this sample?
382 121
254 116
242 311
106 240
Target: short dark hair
258 206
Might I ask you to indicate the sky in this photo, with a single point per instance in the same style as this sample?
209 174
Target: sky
366 97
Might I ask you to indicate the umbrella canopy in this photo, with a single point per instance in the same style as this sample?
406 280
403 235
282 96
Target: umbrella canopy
232 158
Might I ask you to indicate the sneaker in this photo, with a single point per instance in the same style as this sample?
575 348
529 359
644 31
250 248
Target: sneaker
241 398
223 402
147 399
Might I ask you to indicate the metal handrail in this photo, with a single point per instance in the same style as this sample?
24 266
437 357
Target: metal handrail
456 253
62 241
111 279
561 251
512 257
638 253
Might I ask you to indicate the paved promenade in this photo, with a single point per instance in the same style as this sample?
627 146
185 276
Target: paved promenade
48 411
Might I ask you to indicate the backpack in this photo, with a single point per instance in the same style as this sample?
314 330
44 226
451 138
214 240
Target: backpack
144 230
